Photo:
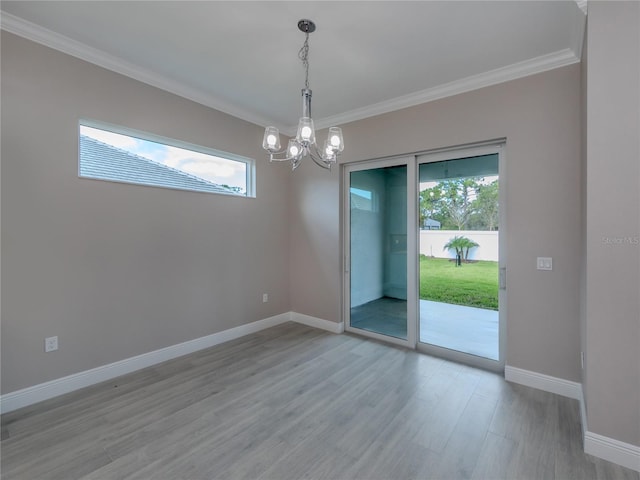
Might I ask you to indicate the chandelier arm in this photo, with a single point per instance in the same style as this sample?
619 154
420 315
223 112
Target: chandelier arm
318 159
286 158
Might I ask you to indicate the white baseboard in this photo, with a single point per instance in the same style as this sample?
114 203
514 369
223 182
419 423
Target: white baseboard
597 445
612 450
583 414
608 448
44 391
315 322
559 386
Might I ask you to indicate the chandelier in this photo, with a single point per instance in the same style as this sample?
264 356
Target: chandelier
304 144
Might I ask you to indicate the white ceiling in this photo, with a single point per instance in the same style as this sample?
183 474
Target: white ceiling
365 57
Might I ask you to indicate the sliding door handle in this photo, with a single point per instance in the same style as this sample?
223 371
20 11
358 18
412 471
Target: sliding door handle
503 278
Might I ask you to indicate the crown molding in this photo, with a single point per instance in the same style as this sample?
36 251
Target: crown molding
48 38
578 28
582 5
504 74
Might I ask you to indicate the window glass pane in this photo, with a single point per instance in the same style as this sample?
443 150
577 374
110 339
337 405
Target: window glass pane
119 157
378 250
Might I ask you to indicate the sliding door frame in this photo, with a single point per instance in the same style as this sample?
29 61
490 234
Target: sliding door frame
412 161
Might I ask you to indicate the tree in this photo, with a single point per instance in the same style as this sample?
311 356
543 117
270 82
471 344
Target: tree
461 204
459 196
486 205
456 243
461 245
431 204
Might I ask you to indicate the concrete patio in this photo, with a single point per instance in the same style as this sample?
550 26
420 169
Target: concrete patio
457 327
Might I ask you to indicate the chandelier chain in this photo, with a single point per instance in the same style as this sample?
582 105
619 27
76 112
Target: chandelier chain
303 55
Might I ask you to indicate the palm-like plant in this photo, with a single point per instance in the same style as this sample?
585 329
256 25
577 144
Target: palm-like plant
457 243
462 245
468 245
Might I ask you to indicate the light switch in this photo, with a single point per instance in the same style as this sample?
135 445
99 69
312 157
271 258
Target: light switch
545 263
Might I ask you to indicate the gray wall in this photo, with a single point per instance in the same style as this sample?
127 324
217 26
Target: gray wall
118 270
539 116
315 241
613 221
583 200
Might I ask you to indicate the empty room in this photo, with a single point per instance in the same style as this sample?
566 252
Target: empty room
320 239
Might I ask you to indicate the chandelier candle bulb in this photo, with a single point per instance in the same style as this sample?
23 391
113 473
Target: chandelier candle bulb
328 149
306 133
271 140
293 148
335 138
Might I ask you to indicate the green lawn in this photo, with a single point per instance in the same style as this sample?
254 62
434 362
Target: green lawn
472 284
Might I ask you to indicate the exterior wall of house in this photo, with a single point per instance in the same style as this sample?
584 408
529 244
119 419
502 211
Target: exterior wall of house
117 270
613 221
540 118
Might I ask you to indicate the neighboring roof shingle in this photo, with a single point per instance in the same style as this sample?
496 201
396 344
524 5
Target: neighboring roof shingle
99 160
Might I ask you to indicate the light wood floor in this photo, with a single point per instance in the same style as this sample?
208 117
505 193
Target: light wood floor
293 402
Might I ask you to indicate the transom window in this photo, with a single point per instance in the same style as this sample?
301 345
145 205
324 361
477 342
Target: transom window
118 155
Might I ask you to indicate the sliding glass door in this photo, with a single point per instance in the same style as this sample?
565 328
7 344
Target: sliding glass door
423 262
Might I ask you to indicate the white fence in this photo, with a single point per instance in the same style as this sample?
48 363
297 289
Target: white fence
432 243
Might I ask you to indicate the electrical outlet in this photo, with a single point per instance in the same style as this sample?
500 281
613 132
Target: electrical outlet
265 297
50 344
545 263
